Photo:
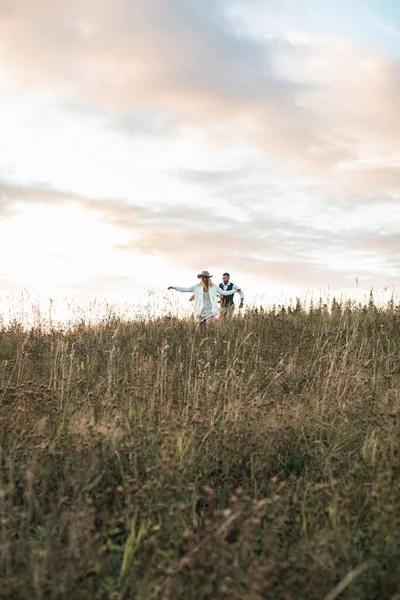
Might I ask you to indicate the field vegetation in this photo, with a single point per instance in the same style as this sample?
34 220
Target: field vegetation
257 461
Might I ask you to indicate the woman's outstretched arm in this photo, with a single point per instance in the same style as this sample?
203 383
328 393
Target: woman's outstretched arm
182 289
228 292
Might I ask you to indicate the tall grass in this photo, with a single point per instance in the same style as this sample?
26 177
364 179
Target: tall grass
260 460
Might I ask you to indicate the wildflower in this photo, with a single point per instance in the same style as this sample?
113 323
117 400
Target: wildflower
209 492
187 562
251 528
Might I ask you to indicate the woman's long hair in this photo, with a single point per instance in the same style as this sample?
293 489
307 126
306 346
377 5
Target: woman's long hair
207 284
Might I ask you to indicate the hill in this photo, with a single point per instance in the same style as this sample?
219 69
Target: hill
139 460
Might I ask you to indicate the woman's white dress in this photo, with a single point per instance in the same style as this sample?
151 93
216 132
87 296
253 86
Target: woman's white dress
207 310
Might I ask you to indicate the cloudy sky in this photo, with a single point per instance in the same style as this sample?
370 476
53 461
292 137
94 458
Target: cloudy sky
141 142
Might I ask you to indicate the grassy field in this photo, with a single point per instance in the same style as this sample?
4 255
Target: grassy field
260 460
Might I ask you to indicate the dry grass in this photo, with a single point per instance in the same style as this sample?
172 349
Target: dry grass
261 461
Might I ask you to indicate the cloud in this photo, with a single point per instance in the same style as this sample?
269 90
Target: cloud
381 25
168 67
159 64
154 123
12 195
102 285
266 247
360 186
139 53
383 243
384 179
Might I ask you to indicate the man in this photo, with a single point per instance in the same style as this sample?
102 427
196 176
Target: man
227 303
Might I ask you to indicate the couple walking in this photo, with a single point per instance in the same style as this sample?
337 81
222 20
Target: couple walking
206 297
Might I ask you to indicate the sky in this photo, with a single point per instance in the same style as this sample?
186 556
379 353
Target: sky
142 142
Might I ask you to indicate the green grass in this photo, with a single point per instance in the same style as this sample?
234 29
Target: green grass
261 460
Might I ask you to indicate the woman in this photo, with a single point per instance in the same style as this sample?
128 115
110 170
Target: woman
205 295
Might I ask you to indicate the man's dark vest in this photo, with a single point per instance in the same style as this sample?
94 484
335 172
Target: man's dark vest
227 300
